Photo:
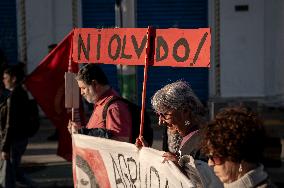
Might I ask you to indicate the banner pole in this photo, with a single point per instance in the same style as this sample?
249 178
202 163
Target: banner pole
70 70
71 88
149 60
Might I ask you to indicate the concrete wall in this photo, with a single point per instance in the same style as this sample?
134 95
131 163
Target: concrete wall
242 49
251 43
47 22
274 51
251 50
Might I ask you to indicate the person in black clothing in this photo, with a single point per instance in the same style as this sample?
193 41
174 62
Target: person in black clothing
13 129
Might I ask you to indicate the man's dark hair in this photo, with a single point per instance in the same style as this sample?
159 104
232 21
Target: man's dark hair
91 72
16 71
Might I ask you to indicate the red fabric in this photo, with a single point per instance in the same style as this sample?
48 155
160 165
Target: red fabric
46 84
118 119
91 162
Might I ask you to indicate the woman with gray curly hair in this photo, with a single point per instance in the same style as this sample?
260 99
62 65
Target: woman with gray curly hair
180 110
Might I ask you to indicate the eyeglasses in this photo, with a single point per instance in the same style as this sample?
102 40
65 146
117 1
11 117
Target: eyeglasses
215 159
165 116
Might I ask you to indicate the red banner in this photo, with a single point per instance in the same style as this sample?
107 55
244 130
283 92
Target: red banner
127 46
46 84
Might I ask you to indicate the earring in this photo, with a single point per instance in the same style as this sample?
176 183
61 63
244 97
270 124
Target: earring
240 168
160 121
187 123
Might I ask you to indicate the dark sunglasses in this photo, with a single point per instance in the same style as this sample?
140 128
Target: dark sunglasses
216 160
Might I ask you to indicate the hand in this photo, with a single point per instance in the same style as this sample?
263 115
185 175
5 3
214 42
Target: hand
5 155
140 142
73 127
168 156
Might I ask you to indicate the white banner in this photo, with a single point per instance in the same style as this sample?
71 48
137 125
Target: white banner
99 162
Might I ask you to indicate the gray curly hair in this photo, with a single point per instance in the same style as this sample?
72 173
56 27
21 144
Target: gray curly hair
177 96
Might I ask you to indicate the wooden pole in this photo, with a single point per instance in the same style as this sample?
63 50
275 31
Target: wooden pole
71 88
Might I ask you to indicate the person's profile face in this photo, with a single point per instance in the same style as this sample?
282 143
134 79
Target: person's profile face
84 175
87 91
165 118
9 81
226 171
83 180
172 119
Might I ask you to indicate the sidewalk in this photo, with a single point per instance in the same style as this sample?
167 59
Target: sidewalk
42 164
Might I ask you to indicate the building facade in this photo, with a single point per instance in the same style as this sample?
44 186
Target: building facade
246 50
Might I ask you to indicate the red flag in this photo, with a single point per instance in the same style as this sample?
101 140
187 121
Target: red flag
46 84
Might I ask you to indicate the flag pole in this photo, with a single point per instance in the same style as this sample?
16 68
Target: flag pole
70 71
149 60
71 88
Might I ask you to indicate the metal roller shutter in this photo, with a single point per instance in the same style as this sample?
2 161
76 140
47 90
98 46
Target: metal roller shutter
161 14
100 14
180 14
8 30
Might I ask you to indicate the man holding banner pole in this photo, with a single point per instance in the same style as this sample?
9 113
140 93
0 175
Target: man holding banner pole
95 88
